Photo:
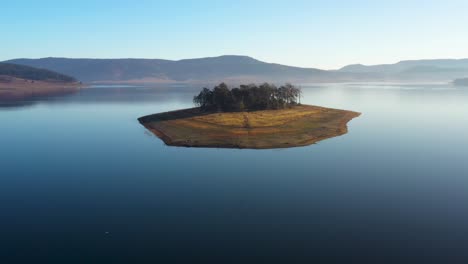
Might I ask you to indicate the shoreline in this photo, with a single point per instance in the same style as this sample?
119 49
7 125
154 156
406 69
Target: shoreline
292 133
15 89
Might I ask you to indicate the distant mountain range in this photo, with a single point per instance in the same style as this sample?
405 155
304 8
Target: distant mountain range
417 70
217 69
243 69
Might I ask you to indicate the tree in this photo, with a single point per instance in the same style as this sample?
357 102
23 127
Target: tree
204 98
222 97
247 97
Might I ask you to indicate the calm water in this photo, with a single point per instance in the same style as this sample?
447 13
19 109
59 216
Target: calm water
82 182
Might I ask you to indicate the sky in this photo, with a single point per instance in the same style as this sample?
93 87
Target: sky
305 33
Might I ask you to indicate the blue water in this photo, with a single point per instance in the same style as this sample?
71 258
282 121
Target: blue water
81 181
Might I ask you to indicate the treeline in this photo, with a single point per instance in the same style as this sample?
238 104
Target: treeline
30 73
248 97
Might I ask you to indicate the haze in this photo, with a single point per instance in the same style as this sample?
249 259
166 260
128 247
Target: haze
320 34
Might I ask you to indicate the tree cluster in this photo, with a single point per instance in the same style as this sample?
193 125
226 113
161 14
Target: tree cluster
248 97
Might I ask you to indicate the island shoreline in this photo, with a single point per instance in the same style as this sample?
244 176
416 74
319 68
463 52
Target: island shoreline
317 135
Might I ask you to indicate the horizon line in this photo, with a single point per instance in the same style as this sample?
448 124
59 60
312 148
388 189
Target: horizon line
227 55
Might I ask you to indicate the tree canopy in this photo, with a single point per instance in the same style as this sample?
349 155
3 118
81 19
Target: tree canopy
248 97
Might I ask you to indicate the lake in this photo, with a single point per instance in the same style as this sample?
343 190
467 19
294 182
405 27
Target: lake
81 181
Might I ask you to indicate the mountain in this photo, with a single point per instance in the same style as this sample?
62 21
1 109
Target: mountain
243 69
422 70
31 73
215 69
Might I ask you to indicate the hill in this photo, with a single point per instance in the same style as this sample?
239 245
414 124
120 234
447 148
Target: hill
19 82
31 73
241 69
207 70
423 70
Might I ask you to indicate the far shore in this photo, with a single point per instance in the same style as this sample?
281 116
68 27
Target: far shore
19 89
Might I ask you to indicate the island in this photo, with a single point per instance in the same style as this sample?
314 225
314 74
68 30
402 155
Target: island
461 82
248 117
19 82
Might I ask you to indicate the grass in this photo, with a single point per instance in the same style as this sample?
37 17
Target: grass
298 126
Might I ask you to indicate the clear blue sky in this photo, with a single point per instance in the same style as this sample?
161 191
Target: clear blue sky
324 34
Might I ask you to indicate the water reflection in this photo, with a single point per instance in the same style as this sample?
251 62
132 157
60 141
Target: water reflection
111 94
77 167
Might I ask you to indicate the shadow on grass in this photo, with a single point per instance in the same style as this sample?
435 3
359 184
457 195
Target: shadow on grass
174 115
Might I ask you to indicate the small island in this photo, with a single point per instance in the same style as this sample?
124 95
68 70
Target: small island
250 116
19 82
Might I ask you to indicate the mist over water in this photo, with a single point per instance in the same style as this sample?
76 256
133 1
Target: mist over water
81 180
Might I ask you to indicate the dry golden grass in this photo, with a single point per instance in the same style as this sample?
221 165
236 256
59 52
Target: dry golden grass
297 126
265 118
